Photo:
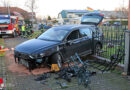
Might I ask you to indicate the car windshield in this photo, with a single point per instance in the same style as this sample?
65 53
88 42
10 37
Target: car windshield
53 34
90 19
4 21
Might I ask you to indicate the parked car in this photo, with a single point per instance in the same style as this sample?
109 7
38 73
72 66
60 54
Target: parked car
106 24
47 26
117 24
57 44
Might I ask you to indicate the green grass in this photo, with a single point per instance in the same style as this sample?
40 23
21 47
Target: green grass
34 35
115 36
108 52
1 42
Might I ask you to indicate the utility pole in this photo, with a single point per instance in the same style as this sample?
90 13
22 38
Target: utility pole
32 5
8 9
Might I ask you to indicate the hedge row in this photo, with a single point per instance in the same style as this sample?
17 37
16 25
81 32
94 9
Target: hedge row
122 22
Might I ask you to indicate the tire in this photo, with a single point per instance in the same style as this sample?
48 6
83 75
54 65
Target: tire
14 34
97 49
57 59
0 36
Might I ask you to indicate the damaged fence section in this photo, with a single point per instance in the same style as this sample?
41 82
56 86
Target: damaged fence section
113 39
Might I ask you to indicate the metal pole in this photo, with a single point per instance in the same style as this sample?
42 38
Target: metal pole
8 7
8 10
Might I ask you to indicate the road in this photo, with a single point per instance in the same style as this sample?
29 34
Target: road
17 77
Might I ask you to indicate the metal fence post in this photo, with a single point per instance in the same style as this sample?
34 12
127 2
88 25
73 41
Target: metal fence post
127 53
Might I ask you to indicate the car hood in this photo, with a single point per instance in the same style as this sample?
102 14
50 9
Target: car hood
34 45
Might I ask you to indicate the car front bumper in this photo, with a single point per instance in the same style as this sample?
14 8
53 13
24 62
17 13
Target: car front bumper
6 32
24 59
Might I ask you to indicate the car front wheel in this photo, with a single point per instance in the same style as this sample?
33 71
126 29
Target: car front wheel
57 59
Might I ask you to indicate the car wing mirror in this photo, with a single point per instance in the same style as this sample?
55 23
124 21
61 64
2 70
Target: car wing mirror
68 43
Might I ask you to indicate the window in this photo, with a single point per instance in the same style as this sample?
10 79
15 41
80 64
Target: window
70 16
92 19
54 34
85 32
4 21
79 15
13 21
73 35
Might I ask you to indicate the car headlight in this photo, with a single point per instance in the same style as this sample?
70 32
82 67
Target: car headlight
32 57
41 55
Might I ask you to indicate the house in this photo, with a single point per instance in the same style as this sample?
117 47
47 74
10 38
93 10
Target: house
70 16
115 14
11 10
74 16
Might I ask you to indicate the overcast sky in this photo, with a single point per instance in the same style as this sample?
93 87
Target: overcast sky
53 7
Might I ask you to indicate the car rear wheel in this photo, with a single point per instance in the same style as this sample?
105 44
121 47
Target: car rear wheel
97 49
57 59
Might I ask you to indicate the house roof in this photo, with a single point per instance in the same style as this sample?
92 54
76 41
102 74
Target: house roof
4 10
77 12
81 12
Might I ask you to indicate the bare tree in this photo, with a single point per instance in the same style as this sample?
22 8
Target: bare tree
123 11
6 3
31 4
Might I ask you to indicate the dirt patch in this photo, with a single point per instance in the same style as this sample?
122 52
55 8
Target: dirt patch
20 69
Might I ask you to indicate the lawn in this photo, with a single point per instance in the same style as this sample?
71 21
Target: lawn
114 38
1 42
34 35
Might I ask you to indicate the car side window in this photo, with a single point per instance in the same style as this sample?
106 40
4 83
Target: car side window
85 32
73 35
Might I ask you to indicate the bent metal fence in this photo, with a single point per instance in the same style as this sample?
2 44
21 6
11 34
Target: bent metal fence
113 39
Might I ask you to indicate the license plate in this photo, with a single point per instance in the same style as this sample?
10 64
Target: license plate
24 62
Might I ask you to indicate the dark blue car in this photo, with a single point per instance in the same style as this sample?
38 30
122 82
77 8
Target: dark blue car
57 44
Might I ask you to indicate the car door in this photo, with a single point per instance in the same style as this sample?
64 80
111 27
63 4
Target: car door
72 43
86 40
